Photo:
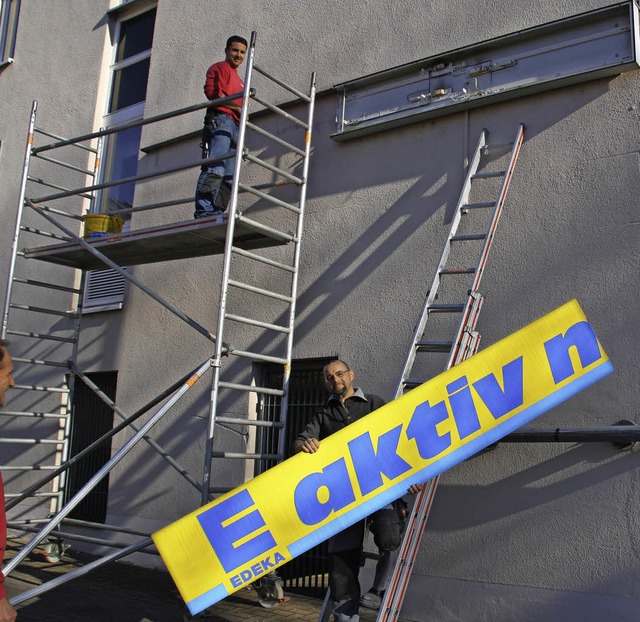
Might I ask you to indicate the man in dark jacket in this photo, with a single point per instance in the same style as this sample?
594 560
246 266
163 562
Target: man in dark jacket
346 405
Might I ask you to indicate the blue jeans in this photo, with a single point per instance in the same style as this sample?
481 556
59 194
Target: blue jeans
221 134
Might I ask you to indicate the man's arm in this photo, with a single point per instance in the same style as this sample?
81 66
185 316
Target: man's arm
7 612
218 84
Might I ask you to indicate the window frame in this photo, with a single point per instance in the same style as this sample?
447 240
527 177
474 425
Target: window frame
9 17
114 300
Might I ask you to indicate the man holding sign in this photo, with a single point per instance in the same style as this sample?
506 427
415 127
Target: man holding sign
346 405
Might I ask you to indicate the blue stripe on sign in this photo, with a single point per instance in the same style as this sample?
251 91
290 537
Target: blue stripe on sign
207 599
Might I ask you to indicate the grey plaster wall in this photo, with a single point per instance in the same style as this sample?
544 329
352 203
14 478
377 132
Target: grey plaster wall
525 532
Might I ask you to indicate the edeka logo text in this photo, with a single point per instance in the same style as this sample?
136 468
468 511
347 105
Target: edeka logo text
499 397
238 535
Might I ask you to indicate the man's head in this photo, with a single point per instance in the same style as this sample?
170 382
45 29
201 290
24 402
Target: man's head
338 379
235 51
6 371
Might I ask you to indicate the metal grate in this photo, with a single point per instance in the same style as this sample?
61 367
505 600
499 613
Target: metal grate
307 574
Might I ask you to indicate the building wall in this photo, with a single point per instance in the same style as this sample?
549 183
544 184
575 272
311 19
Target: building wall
525 532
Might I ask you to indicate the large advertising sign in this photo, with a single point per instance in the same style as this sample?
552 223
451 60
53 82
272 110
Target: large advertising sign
282 513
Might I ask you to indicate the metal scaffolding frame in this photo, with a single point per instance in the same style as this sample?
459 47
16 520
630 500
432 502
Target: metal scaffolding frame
234 234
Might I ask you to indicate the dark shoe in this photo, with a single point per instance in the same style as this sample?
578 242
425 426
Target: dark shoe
371 600
206 213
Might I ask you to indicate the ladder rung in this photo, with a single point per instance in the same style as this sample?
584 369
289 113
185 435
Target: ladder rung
284 85
243 456
21 333
261 259
61 288
479 205
259 290
469 236
250 388
42 310
457 271
35 467
44 234
434 346
446 308
259 357
20 413
489 174
488 148
253 422
276 139
47 495
274 169
265 229
245 320
32 441
267 197
281 112
411 383
17 359
34 387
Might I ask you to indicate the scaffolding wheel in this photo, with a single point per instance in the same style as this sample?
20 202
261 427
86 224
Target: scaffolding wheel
269 590
54 551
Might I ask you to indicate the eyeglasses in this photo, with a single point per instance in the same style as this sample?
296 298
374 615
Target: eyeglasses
337 376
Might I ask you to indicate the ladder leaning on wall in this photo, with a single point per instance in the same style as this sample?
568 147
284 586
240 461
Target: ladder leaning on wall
461 245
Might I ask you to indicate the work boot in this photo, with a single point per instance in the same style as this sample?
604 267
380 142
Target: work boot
343 608
371 600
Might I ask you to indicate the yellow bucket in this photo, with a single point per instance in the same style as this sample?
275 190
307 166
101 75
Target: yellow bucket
100 225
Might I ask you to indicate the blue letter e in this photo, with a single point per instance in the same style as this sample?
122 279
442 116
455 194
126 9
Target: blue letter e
223 538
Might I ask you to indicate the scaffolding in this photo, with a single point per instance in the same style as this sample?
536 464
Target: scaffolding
258 236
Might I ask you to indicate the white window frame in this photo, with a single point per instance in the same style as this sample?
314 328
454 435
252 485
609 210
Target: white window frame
108 280
9 16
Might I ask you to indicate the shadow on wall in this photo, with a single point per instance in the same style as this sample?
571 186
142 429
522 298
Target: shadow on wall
426 161
576 469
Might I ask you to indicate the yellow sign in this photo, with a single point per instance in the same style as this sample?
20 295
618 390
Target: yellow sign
301 502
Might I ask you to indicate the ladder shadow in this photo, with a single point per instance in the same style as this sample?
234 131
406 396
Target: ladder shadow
586 466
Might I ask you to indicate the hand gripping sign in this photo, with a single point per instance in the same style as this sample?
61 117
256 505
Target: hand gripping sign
271 519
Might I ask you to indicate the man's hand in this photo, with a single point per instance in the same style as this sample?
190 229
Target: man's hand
7 612
310 446
415 489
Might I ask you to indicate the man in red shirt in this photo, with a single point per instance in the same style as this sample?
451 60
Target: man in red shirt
220 133
7 612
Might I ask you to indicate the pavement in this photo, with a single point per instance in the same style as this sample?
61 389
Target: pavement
122 592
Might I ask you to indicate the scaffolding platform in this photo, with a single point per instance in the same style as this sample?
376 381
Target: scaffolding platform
182 240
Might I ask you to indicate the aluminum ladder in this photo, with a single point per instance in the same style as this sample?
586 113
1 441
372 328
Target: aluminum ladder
461 245
36 305
267 429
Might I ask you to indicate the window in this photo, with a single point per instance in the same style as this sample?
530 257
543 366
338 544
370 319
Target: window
129 75
9 12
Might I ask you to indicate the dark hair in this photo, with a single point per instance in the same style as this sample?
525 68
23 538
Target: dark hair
338 361
235 39
3 345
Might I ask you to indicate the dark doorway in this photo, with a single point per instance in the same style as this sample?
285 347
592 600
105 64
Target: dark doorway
90 419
